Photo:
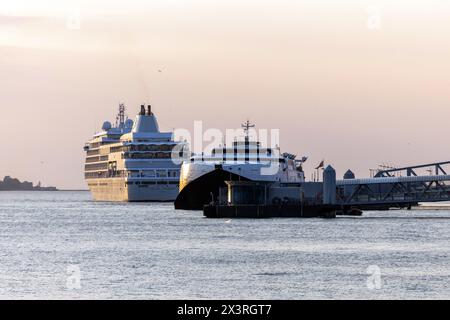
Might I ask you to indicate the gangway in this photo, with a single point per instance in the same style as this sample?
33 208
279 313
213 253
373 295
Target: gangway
436 168
390 188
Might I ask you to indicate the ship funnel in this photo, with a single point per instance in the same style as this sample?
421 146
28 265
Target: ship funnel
145 121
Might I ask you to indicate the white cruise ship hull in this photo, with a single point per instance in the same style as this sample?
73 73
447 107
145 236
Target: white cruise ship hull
116 189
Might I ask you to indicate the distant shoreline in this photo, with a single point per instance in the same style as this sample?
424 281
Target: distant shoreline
58 190
14 184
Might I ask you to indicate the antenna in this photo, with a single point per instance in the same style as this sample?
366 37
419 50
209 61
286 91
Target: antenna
246 127
120 118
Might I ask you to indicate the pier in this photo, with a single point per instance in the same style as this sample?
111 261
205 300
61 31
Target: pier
400 188
393 188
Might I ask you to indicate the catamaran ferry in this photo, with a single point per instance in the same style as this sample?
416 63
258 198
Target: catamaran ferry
203 175
132 161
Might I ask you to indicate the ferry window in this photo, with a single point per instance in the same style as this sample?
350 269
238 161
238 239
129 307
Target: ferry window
172 173
148 173
161 173
133 174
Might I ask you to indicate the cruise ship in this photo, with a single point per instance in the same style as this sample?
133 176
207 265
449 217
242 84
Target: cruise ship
203 175
132 160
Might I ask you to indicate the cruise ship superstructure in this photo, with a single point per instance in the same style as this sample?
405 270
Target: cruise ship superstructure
132 161
202 175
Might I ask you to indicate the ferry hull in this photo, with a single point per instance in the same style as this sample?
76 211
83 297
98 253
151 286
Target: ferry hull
113 189
200 182
204 189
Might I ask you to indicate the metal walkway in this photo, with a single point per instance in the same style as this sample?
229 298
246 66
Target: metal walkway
390 188
432 168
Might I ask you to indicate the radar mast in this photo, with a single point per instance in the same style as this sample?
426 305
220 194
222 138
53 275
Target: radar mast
246 126
120 118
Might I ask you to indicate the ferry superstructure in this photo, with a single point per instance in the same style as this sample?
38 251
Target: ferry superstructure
202 175
132 161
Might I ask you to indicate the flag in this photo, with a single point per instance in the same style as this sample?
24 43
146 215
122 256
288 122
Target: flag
321 165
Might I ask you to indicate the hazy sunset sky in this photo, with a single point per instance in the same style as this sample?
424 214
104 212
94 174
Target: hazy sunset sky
356 83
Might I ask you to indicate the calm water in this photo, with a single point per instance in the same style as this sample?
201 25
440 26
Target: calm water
49 240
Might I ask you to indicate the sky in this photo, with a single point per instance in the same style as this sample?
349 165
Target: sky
357 83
